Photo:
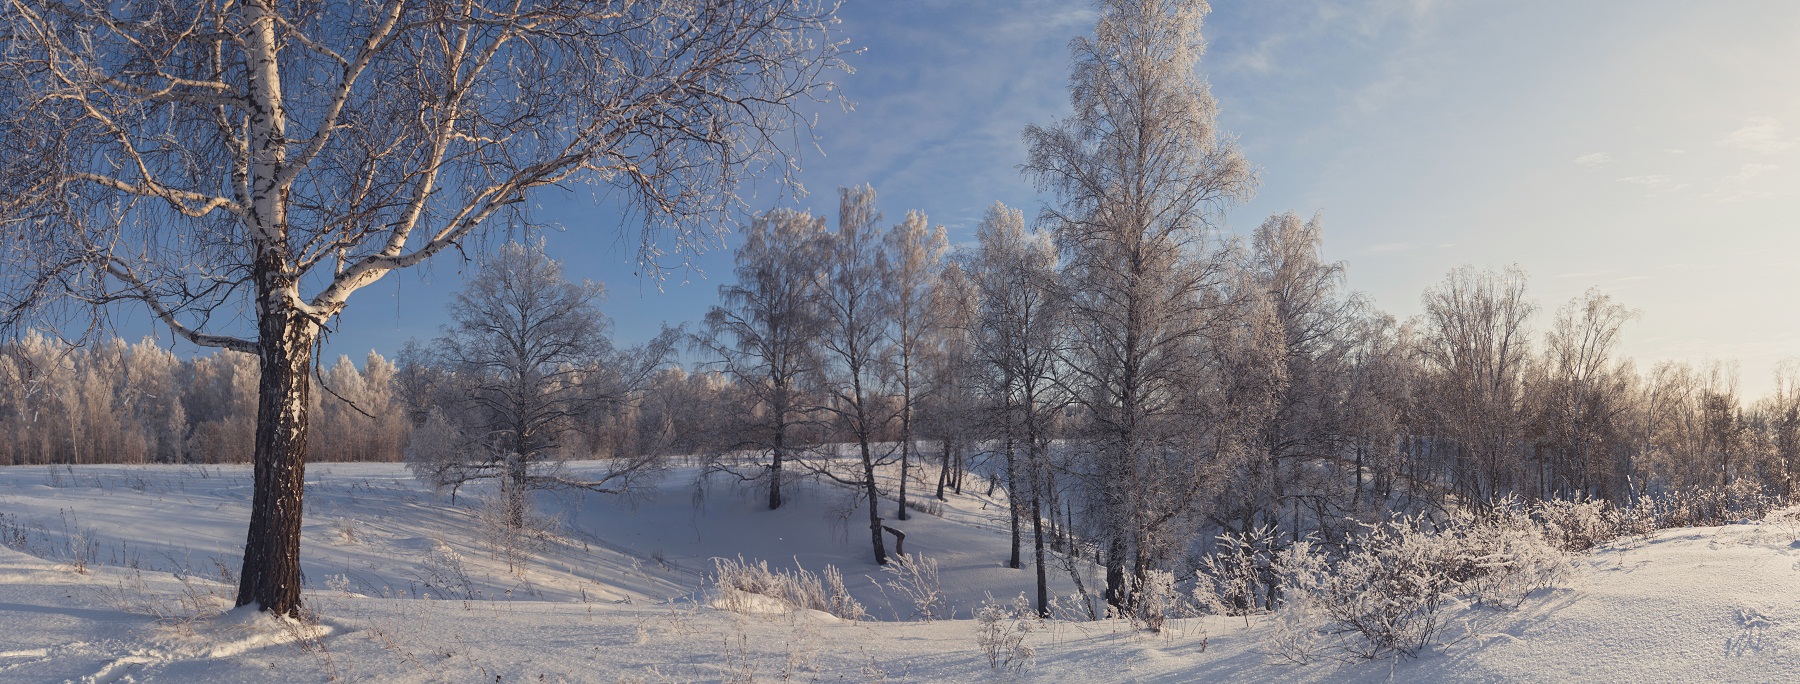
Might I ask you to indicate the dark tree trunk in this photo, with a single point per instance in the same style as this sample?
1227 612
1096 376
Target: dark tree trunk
1116 591
1012 500
961 470
905 453
775 466
1037 534
868 463
514 487
271 574
944 473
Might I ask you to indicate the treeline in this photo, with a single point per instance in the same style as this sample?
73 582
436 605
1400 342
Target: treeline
1269 397
113 402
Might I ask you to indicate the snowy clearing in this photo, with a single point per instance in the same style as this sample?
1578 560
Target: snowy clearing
122 573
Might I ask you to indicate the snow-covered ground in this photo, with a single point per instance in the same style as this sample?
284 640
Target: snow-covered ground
111 573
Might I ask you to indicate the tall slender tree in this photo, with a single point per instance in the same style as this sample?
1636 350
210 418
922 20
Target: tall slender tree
1783 406
765 331
1477 346
915 257
950 411
856 336
1140 174
1306 427
1018 340
1580 395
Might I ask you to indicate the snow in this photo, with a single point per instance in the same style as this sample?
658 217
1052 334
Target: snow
113 574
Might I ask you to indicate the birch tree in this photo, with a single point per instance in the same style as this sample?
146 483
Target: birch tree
1139 174
1783 409
1477 346
1297 441
855 337
1018 340
915 256
241 169
951 407
764 334
1581 396
530 363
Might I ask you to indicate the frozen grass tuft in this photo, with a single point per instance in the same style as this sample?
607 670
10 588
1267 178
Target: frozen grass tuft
745 587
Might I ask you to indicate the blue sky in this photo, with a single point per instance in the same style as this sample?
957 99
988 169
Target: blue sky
1651 149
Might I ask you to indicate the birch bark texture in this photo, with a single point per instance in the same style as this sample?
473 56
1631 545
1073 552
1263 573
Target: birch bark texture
240 168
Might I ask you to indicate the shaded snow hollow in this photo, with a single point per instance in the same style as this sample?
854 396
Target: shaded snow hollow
112 574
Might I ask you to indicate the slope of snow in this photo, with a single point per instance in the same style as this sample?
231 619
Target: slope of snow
110 574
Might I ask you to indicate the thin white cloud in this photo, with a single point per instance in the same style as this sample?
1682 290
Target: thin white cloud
1585 275
1260 59
1654 183
1761 135
1748 183
1594 160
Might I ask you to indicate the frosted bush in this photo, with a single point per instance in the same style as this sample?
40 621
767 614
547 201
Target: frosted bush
745 587
915 578
1503 556
837 598
1154 600
1001 630
1298 634
1740 499
1390 591
1238 578
1579 525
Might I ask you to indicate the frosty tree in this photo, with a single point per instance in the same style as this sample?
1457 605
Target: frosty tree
1139 174
764 333
240 169
527 360
915 258
1018 339
856 316
949 410
1579 396
1476 346
1305 367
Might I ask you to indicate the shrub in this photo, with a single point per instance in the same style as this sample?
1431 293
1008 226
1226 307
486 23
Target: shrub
796 589
1238 578
1576 525
1154 600
915 578
1001 632
1504 555
1389 590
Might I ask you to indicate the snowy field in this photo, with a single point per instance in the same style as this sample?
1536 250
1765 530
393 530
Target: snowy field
124 574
